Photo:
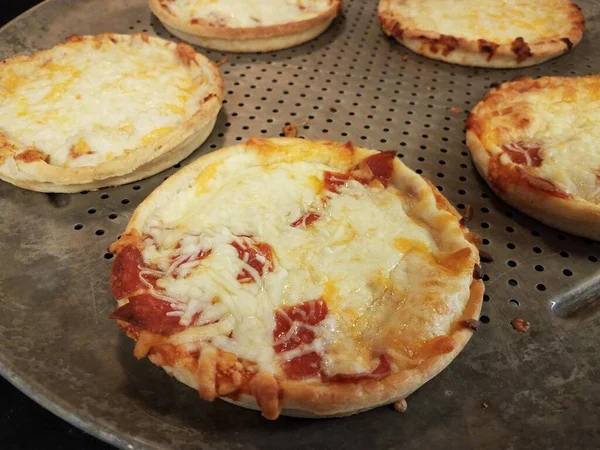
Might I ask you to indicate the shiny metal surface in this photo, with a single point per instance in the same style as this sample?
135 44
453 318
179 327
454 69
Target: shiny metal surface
506 390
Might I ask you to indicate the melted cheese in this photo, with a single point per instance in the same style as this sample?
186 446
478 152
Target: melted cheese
247 13
498 21
364 256
100 102
564 120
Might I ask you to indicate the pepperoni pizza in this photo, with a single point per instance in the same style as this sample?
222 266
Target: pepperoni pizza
306 278
535 143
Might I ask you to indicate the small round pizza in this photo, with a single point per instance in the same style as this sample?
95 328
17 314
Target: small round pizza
103 110
246 26
535 142
305 278
484 33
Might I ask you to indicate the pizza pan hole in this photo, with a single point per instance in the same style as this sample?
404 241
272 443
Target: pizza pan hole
485 277
537 250
564 254
511 263
485 225
484 319
486 298
108 255
84 192
510 229
512 282
99 232
514 303
137 187
561 237
484 210
112 216
92 211
126 200
592 258
541 287
535 233
511 246
567 272
485 241
104 196
539 268
78 226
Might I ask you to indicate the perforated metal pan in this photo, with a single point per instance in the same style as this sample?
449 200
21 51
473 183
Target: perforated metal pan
506 390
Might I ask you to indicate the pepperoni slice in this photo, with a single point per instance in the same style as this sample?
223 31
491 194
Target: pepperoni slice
124 276
305 366
523 153
541 184
258 255
199 257
382 370
381 165
306 220
150 314
333 181
500 174
293 319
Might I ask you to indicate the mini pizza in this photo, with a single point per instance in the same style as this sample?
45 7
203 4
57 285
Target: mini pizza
103 110
484 33
246 26
302 278
535 142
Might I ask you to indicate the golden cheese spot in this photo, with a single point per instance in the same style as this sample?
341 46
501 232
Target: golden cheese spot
315 184
569 93
81 147
406 245
9 82
330 294
208 174
155 134
172 109
129 128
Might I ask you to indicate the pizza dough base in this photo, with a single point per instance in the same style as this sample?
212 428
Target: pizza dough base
467 52
247 40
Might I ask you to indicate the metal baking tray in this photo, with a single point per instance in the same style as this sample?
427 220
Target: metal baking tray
506 390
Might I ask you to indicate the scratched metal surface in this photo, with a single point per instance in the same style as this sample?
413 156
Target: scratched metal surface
57 345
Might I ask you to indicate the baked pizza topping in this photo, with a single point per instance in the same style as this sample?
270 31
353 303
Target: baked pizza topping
335 272
542 134
96 98
515 22
245 13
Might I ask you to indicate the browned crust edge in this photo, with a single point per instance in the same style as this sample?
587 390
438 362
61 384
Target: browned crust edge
481 53
236 34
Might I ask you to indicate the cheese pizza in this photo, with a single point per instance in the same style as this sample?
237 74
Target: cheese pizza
484 33
306 278
246 25
535 142
103 110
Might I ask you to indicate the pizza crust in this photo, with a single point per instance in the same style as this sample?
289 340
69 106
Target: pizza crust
307 398
134 164
246 40
479 52
573 214
319 401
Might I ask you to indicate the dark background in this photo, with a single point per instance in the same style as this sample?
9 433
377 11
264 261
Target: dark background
23 423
